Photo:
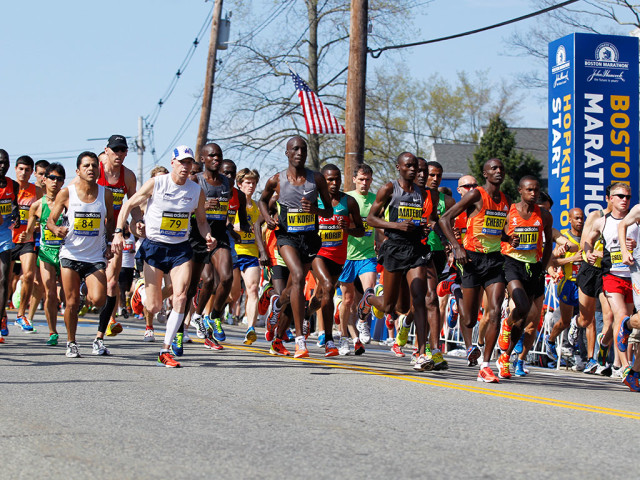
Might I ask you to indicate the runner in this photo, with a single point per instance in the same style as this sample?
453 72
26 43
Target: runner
82 256
9 213
526 259
402 255
298 189
48 260
360 265
480 260
170 201
25 250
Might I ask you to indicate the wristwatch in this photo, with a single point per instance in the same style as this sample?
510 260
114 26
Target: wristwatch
117 230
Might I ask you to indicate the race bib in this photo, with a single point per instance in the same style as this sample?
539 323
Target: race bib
331 235
411 212
299 221
368 231
86 224
174 224
616 257
118 197
24 214
128 247
528 237
494 221
48 238
5 206
247 238
219 213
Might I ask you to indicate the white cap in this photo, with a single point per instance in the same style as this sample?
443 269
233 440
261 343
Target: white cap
182 152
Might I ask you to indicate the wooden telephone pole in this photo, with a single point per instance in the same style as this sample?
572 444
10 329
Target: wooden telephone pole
356 94
205 114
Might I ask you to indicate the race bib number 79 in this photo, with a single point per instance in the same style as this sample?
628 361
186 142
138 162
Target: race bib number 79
174 224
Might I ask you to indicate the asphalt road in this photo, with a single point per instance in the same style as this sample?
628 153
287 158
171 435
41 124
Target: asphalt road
242 413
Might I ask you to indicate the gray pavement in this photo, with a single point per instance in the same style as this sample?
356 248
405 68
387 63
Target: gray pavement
241 413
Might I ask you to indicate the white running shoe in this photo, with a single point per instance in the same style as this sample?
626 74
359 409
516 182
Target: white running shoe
99 347
149 335
364 330
344 347
198 322
72 350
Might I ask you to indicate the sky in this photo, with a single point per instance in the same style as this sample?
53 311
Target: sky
78 70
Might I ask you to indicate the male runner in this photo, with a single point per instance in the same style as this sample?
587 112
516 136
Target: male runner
298 189
8 214
480 260
166 250
526 259
48 260
90 217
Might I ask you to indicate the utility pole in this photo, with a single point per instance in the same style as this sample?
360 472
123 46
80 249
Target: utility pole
356 95
205 114
140 147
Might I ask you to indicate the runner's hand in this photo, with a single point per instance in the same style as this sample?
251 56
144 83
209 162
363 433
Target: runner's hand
460 254
211 242
140 229
22 237
61 232
627 258
405 226
308 207
117 244
265 260
211 203
272 222
514 241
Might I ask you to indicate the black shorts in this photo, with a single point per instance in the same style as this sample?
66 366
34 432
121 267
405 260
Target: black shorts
84 269
165 256
335 269
530 275
278 272
199 246
589 280
307 244
125 279
22 249
439 258
403 256
482 269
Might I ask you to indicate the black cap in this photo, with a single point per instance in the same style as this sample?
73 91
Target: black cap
117 141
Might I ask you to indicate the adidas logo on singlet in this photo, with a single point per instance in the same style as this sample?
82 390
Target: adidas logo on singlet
537 224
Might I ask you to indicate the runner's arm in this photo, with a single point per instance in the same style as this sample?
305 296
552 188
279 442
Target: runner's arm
265 259
468 200
110 223
203 225
138 198
354 211
323 192
130 181
630 218
60 205
377 209
34 216
263 203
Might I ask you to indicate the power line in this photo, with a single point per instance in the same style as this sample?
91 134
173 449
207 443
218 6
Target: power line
375 53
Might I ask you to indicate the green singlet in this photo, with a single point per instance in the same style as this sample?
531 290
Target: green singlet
362 248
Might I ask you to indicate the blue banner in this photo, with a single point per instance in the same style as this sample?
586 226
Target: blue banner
593 121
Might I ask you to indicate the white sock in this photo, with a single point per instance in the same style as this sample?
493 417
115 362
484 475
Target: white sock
485 364
405 324
173 324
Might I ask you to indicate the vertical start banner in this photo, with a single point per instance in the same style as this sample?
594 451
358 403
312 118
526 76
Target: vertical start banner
593 121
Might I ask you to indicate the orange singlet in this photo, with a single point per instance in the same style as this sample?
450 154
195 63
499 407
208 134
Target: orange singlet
26 197
530 233
461 224
484 229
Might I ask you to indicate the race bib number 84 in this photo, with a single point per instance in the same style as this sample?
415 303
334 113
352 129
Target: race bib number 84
87 224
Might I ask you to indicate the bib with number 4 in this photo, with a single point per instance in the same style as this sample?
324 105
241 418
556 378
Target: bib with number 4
86 224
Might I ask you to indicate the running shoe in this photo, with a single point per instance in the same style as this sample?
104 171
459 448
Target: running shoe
288 336
358 347
623 335
578 363
503 365
378 290
626 371
272 319
403 335
444 287
363 306
519 347
99 348
201 330
439 363
423 364
473 354
364 331
344 349
212 344
505 336
301 349
603 350
186 338
632 380
414 356
321 339
604 370
1 339
166 359
452 316
24 324
263 301
113 329
572 337
330 349
389 322
136 299
72 350
277 348
4 330
617 373
486 375
591 366
519 370
397 350
218 332
250 336
550 349
149 335
53 340
82 312
177 345
336 312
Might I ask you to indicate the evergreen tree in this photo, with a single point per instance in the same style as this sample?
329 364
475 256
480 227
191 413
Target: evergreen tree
499 142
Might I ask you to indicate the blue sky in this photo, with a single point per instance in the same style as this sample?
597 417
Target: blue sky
78 70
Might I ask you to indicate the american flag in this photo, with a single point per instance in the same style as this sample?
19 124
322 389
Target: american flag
316 116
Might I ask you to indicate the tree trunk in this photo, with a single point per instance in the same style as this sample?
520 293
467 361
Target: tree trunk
314 141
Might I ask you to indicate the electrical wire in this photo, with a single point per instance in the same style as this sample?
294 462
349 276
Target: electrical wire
375 53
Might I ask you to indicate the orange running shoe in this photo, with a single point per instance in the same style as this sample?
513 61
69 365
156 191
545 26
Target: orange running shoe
167 360
330 349
1 339
503 365
136 299
301 349
272 319
277 348
211 343
113 329
397 350
505 337
486 375
336 313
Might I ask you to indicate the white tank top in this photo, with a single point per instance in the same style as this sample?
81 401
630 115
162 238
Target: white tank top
129 252
85 241
169 208
612 258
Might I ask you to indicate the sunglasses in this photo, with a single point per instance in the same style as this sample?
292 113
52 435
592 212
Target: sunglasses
56 178
119 149
622 196
469 185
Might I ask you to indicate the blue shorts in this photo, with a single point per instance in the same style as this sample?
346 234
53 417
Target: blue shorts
568 292
354 268
164 256
245 262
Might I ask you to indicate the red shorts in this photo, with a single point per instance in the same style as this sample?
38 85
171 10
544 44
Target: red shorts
613 284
